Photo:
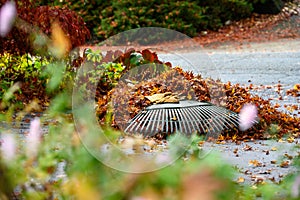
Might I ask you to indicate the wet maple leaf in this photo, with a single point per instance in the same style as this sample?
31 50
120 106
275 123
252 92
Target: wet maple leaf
273 149
149 56
290 139
255 163
247 148
273 161
288 156
240 180
284 164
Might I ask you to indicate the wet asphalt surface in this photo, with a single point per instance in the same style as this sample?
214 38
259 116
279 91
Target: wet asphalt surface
258 64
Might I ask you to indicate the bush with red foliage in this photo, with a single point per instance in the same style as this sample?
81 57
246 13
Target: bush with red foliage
32 19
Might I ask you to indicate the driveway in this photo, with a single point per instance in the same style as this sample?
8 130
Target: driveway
259 64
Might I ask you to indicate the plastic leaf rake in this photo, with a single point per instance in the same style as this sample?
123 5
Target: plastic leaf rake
185 117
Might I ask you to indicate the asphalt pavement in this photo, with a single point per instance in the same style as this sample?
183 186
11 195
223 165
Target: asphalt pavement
267 63
257 63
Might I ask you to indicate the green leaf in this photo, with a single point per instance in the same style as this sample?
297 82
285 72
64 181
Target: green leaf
60 104
56 72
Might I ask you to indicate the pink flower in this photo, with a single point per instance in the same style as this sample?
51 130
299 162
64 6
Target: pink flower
8 14
248 115
8 147
33 138
163 158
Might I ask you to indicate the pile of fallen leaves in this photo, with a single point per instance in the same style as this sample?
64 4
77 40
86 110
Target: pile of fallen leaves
131 96
268 113
130 99
295 91
256 28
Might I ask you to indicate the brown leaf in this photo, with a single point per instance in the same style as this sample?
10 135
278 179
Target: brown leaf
255 163
284 164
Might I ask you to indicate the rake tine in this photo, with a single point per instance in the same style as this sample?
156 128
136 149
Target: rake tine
196 125
207 116
192 118
170 120
199 118
135 120
224 116
143 121
215 120
179 120
160 122
218 119
155 121
150 120
165 121
185 117
174 120
187 123
234 118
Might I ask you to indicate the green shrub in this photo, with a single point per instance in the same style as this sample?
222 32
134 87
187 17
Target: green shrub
105 18
220 11
25 71
36 77
125 15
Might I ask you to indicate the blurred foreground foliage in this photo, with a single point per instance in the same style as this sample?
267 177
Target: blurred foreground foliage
62 167
85 177
37 79
65 167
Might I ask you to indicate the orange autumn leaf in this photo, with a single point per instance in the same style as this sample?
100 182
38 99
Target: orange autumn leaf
273 149
240 180
255 163
284 164
60 42
150 56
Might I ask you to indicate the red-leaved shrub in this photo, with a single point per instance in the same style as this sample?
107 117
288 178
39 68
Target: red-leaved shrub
38 19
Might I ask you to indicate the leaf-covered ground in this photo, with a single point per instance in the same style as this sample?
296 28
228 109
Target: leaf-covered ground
131 95
258 28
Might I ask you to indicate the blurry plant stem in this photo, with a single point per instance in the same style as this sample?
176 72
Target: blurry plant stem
34 31
109 116
6 188
131 182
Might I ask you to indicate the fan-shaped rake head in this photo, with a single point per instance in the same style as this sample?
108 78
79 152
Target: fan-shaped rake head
185 117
